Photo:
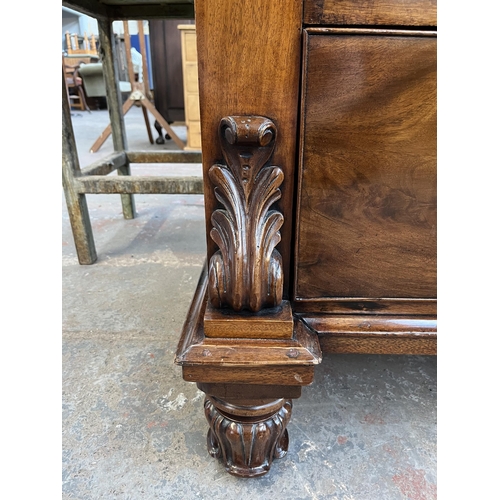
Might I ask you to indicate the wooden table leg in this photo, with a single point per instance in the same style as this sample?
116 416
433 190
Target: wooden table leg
76 203
163 123
113 96
107 131
148 125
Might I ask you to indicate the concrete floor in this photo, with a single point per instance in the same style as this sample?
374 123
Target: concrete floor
133 429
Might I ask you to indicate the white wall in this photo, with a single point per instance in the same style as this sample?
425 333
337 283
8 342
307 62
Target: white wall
70 24
132 27
88 25
78 23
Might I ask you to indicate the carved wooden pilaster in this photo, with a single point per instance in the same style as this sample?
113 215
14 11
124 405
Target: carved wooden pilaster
246 272
247 438
248 383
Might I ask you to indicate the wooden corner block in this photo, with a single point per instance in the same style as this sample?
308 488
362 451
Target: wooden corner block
275 323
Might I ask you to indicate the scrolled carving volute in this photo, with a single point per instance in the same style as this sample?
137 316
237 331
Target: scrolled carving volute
246 272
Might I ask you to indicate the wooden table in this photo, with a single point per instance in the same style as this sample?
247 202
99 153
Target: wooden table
318 124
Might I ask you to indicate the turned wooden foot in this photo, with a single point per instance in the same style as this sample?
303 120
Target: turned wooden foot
247 437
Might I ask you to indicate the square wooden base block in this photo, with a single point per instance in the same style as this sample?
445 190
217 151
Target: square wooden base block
276 323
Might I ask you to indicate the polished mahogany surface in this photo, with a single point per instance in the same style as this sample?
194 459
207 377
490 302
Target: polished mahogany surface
371 12
367 197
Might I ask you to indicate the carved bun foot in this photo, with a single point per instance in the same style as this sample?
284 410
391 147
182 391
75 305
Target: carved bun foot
247 438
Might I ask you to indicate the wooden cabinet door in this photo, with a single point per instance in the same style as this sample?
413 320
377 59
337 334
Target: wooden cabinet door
366 221
166 56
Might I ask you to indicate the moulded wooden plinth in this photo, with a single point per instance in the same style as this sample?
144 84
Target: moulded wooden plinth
275 323
374 334
260 361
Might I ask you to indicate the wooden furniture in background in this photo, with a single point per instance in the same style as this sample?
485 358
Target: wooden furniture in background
74 84
191 94
319 180
140 95
78 182
73 45
92 76
166 62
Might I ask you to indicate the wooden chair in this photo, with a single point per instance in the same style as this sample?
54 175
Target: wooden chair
74 89
73 45
93 80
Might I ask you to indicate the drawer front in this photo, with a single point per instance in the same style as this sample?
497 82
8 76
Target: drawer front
371 12
366 221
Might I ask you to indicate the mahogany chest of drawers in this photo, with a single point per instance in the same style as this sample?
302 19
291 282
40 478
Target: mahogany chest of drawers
318 138
318 125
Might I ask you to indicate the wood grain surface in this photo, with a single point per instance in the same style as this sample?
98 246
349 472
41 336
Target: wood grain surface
370 12
364 306
164 156
367 195
271 375
373 326
244 361
250 392
339 344
138 184
374 334
249 64
272 323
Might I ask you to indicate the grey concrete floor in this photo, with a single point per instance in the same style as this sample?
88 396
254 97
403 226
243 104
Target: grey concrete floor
133 429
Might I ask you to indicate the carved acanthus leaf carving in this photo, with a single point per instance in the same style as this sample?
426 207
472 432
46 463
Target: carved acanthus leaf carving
246 271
